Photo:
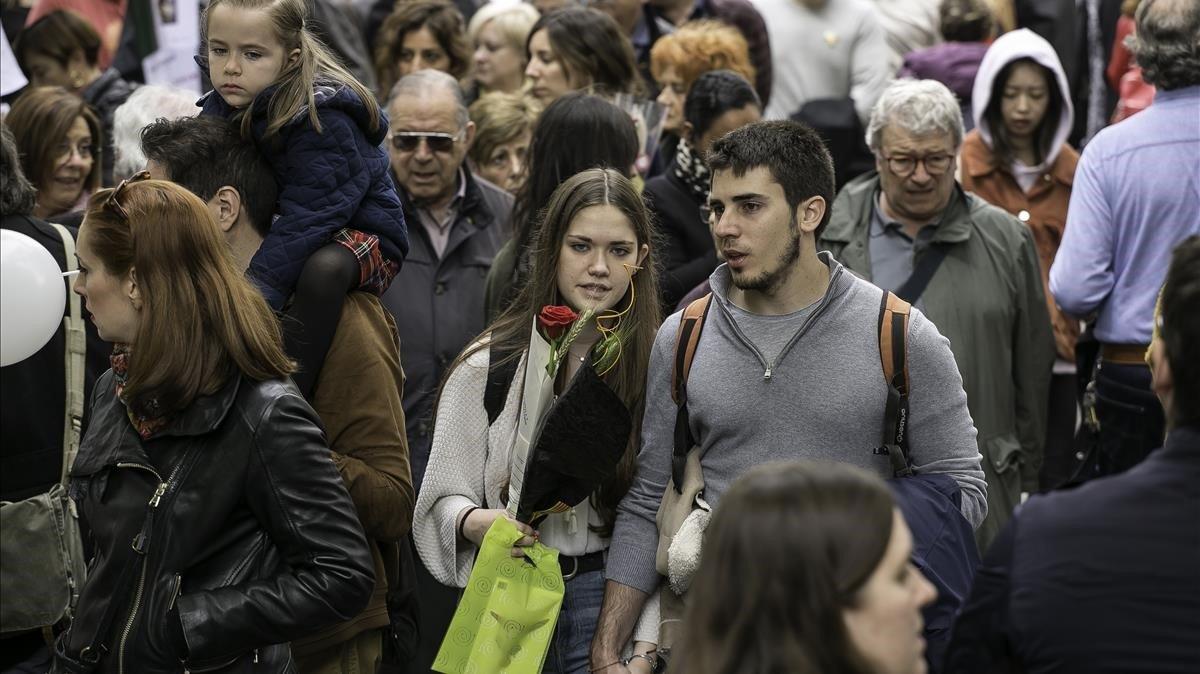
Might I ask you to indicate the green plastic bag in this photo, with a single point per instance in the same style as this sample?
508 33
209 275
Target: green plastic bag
506 618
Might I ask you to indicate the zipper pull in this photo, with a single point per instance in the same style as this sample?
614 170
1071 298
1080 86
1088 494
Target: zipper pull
158 494
767 375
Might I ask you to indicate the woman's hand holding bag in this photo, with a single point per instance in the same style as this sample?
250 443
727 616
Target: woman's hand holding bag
508 610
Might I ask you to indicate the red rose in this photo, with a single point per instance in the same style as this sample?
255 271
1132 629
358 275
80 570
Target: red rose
555 320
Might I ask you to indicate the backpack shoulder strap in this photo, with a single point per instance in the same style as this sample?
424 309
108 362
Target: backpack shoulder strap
76 349
690 327
893 355
501 372
686 340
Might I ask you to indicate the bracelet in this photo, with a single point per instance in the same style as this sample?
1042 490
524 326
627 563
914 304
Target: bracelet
648 657
463 521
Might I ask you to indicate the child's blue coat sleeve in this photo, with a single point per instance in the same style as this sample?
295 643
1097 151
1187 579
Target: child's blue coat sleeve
324 178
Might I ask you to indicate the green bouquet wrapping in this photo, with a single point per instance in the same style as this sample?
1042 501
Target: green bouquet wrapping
506 617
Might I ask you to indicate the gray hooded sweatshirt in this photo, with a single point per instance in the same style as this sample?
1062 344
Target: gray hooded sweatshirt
823 400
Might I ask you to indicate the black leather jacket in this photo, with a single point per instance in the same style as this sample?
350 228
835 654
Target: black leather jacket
249 537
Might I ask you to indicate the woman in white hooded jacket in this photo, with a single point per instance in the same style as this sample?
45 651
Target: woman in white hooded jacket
1017 157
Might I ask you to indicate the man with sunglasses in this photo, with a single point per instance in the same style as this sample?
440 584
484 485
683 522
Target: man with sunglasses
969 266
437 298
463 222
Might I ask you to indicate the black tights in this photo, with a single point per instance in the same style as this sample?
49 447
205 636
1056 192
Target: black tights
316 309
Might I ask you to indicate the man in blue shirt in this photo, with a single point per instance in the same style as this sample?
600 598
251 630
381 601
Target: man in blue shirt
1136 196
1102 578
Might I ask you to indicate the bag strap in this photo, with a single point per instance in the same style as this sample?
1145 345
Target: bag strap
501 372
930 260
893 352
76 350
686 340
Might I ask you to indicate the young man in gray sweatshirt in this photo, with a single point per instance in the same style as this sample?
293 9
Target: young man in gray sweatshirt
788 363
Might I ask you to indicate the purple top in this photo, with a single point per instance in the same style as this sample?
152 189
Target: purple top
954 64
1136 196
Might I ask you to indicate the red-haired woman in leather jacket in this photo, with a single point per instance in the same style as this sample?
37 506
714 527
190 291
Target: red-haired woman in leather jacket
221 529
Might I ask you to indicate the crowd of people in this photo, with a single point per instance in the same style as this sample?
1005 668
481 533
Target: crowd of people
973 225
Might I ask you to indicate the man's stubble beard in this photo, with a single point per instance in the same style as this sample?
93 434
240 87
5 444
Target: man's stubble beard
771 280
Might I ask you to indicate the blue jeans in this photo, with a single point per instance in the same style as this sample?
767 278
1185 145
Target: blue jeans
1131 417
576 624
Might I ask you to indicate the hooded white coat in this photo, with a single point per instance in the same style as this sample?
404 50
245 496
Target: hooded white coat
1013 46
1038 195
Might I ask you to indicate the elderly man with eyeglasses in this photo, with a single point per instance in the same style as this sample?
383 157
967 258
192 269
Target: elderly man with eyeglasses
970 267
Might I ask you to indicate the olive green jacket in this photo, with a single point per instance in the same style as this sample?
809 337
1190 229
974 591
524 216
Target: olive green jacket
987 299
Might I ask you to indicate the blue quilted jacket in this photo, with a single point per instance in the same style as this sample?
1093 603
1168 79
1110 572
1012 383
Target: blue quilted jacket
329 180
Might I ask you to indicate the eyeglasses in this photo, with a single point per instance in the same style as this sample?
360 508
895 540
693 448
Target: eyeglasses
84 150
935 164
408 141
113 202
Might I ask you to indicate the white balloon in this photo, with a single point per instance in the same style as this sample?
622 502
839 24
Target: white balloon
32 296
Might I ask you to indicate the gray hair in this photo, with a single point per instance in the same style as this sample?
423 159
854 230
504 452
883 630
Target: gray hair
919 107
424 82
17 195
1166 43
145 105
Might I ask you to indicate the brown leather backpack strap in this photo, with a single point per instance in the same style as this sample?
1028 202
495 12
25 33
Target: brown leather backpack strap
893 356
686 341
893 339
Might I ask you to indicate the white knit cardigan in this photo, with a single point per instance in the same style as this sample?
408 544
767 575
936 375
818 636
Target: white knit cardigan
469 464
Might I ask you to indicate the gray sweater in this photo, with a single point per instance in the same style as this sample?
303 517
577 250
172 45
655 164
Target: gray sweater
824 400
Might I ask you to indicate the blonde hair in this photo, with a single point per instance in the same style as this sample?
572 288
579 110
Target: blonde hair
698 47
1005 15
201 319
294 93
512 21
499 118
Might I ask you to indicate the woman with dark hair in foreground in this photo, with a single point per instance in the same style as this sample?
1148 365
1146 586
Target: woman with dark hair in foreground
806 569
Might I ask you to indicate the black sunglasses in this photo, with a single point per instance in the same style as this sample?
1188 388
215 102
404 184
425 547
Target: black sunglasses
408 141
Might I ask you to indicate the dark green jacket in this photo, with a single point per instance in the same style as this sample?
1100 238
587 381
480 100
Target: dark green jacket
987 299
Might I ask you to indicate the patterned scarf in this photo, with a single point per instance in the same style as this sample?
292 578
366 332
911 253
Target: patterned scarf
145 426
692 171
